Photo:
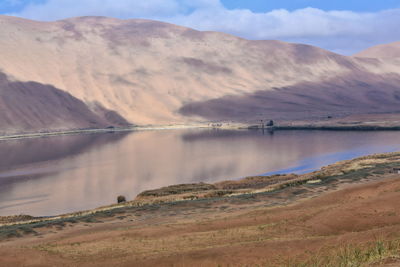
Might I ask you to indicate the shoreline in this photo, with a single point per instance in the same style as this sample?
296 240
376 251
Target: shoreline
339 128
222 126
349 214
331 176
18 136
330 216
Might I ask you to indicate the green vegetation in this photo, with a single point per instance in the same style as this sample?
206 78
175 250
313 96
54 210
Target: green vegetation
246 189
19 230
177 189
15 231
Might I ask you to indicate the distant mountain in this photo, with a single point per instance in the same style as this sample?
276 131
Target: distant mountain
385 51
92 72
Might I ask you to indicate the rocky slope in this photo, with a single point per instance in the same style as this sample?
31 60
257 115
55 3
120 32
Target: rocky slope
94 72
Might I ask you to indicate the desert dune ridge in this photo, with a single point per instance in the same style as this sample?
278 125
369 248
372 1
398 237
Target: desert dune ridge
90 72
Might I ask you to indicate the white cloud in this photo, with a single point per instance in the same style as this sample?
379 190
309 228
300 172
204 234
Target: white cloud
340 31
59 9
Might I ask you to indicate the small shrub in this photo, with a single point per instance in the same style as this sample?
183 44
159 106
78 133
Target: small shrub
121 199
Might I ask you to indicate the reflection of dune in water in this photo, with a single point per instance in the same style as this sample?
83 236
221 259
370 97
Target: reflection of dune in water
110 165
15 153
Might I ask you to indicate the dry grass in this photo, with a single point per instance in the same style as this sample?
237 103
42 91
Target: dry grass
232 223
354 255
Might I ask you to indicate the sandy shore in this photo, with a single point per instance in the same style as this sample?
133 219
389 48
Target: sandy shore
380 122
99 131
349 207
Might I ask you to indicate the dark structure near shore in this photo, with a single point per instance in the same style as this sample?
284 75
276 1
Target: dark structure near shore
121 199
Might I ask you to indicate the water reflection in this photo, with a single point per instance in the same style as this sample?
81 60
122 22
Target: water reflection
54 175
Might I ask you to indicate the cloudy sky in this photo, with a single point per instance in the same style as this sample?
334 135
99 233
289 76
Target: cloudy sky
342 26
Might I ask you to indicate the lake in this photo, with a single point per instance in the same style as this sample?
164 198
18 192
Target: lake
54 175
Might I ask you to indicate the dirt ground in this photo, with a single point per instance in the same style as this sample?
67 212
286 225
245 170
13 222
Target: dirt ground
304 225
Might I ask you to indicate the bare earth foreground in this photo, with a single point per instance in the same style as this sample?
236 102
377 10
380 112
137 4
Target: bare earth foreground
346 214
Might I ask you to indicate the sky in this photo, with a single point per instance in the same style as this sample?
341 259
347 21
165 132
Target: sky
342 26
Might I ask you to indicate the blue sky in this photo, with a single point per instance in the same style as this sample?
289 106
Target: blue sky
11 6
342 26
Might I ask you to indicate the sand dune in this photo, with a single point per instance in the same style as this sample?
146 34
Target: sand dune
361 93
148 72
31 106
384 51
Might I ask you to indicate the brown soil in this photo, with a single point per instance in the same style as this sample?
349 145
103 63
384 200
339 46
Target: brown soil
356 202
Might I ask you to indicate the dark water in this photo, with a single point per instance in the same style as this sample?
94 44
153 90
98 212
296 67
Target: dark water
49 176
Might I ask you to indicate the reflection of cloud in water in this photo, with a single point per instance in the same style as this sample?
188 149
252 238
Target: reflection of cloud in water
111 165
314 163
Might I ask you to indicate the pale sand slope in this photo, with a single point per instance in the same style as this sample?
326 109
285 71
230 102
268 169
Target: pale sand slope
31 106
384 51
150 72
